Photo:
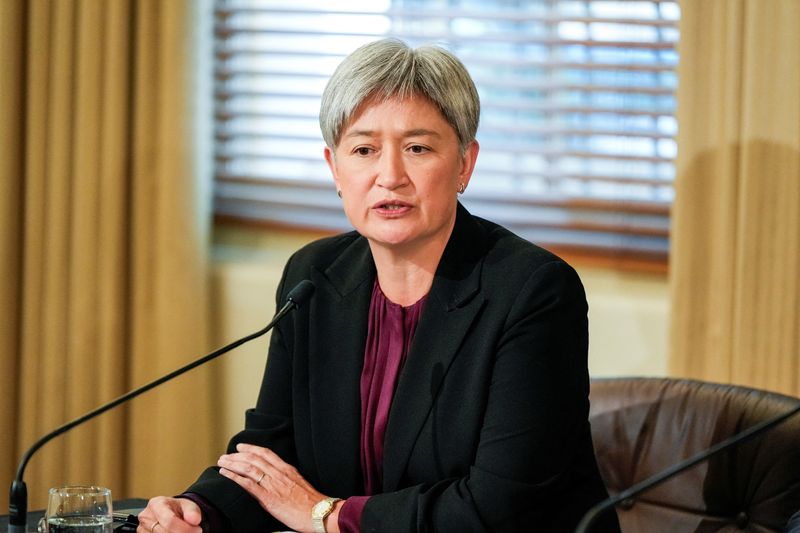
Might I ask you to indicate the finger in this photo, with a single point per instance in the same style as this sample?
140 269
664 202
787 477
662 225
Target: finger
257 468
174 524
259 471
145 516
190 511
164 515
245 482
146 523
265 454
265 491
259 451
247 465
148 514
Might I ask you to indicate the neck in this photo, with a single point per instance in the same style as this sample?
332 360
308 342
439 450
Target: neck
404 284
405 275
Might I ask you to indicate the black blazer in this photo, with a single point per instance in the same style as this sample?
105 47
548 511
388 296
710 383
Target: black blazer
488 428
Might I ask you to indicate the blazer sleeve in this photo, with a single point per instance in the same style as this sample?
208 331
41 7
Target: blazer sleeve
268 425
534 468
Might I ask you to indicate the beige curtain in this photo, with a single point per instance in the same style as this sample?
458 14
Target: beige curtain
104 238
735 260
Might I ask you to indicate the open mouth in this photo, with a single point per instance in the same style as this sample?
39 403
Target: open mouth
391 205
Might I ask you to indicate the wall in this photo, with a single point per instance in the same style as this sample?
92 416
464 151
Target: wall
628 314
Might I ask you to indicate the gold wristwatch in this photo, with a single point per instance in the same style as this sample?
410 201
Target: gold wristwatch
320 511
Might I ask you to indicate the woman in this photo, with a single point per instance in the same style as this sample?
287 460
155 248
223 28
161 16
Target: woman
436 381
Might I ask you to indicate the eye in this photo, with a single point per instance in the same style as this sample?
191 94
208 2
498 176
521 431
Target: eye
363 150
418 149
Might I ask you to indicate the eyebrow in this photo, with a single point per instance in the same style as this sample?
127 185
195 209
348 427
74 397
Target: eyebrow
418 132
421 132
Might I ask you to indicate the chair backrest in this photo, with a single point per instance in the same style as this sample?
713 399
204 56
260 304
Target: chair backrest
642 426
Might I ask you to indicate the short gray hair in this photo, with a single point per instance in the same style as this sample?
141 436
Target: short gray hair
389 68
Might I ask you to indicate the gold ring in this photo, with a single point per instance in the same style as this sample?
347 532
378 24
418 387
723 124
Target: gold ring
259 479
154 526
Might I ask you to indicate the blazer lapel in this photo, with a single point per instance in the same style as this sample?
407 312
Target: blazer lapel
451 308
336 344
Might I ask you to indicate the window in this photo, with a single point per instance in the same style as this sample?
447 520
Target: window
577 129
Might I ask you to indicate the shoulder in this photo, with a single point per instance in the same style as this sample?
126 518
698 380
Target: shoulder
323 251
507 252
327 247
334 255
517 270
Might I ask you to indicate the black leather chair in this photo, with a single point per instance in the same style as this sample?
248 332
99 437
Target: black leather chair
642 426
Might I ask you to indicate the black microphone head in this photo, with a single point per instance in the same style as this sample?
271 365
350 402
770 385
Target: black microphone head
301 292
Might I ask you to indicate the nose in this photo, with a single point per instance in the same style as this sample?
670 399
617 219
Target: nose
391 170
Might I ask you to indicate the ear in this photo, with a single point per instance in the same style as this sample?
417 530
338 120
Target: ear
468 162
330 158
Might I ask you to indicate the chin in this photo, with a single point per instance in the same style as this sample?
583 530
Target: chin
389 234
389 238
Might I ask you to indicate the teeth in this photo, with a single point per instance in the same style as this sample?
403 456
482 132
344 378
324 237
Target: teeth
392 207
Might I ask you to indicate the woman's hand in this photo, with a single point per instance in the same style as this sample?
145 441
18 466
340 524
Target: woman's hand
164 515
277 486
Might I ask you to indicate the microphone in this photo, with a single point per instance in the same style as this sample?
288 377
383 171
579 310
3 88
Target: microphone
756 429
18 496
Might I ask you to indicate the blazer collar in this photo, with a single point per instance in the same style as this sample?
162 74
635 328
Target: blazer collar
337 335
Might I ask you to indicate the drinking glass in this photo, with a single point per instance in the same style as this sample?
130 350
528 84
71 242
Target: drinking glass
78 509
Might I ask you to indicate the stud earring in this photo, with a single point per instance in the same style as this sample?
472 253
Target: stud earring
339 193
461 188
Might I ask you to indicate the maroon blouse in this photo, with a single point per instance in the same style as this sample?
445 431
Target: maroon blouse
390 328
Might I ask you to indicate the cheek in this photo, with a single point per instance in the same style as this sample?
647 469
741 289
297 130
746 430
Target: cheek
440 204
442 191
355 201
354 189
353 177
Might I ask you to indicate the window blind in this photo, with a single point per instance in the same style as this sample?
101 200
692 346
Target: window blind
577 128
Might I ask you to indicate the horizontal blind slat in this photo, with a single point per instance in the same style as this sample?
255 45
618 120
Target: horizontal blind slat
616 179
457 38
225 72
274 184
223 114
228 154
223 14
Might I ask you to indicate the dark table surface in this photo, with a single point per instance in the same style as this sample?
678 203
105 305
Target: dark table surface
131 506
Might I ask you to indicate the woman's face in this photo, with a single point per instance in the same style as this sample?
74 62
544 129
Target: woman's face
399 168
